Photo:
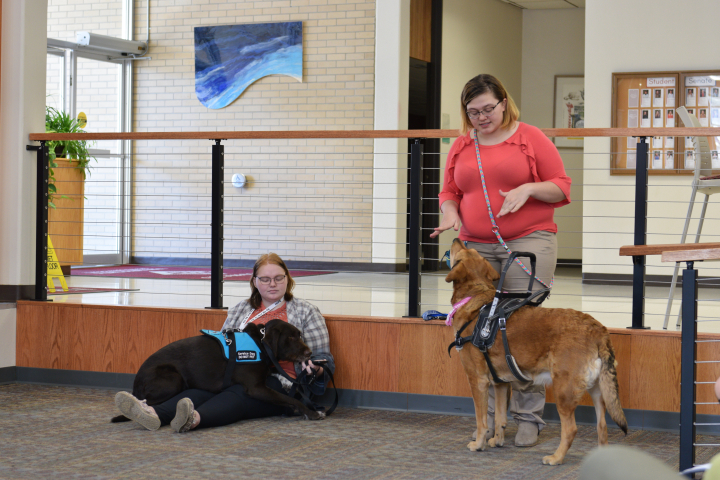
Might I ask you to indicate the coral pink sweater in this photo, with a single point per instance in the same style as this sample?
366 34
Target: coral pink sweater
527 156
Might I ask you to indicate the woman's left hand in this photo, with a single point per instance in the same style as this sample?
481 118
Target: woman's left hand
547 192
310 366
514 199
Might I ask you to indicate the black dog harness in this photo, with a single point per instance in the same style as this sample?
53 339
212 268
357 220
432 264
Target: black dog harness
494 317
301 387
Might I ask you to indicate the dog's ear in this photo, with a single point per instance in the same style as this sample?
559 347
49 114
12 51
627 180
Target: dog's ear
458 272
490 273
272 337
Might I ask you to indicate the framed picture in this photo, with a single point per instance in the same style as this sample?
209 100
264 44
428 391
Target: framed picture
569 108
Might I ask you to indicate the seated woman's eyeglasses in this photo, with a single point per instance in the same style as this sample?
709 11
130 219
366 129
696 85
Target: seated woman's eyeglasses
266 280
487 111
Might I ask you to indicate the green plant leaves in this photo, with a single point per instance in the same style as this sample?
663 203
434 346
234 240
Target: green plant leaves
76 151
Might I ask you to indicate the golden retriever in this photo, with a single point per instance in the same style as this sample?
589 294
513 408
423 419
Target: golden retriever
569 348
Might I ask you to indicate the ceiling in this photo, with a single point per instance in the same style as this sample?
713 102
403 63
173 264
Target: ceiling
546 4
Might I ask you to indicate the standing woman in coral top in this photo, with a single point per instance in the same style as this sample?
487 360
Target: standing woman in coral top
524 182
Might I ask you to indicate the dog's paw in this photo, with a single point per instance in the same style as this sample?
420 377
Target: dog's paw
476 446
552 460
496 442
314 416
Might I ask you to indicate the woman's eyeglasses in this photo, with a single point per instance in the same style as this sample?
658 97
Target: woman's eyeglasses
266 280
487 112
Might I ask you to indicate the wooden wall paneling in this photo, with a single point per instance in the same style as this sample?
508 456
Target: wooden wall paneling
425 367
209 319
366 355
421 29
64 338
622 344
128 354
707 351
655 373
86 330
36 330
105 327
155 332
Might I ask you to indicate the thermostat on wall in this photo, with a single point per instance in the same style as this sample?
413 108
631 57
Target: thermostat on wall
239 180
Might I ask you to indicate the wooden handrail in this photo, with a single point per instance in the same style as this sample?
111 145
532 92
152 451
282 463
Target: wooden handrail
691 255
637 250
300 134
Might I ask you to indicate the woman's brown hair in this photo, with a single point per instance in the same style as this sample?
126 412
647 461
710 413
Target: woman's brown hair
483 84
255 299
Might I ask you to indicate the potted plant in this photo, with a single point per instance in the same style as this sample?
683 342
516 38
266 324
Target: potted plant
75 151
66 187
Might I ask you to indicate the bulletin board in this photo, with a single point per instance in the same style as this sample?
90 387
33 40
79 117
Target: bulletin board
649 100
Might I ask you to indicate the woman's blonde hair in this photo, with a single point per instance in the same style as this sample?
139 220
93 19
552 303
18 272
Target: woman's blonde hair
255 299
483 84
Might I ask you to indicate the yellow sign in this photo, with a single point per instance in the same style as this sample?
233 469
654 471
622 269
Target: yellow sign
82 119
54 270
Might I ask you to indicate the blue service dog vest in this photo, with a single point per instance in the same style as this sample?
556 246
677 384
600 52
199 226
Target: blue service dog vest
247 349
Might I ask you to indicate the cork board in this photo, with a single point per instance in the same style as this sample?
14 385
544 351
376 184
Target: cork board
649 100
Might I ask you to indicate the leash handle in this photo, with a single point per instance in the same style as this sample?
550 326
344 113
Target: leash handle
533 261
298 386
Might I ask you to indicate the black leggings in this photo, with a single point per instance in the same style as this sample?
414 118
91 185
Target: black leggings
229 406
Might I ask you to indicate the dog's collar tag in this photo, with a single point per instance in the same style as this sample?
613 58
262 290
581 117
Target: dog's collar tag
448 320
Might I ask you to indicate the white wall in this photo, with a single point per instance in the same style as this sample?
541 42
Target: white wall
392 51
637 36
479 36
23 103
553 43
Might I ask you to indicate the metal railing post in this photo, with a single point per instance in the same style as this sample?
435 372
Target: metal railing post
687 367
641 196
216 229
41 220
415 232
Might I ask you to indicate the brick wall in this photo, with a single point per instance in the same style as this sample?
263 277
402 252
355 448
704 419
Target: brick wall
306 200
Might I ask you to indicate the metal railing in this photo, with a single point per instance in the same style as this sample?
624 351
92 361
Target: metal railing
417 242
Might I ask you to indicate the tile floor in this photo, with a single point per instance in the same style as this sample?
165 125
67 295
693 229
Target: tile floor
380 294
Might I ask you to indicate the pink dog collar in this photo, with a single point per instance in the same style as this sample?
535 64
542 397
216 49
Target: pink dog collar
455 308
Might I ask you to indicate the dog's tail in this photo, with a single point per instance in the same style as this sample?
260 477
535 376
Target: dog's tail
119 418
609 384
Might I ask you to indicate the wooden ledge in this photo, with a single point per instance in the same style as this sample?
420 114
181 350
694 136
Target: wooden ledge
635 250
691 255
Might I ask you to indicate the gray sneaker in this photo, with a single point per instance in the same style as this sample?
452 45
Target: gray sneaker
184 416
137 410
527 434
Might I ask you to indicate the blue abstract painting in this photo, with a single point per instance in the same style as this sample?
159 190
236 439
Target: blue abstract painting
229 58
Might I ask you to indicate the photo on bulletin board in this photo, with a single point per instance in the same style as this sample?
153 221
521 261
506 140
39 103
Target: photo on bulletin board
569 107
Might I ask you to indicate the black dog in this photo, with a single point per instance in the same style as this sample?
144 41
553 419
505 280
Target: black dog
199 362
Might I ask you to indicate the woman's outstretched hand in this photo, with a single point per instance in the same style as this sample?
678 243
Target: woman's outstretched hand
451 218
448 222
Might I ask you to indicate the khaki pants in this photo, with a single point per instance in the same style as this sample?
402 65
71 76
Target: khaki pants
528 400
